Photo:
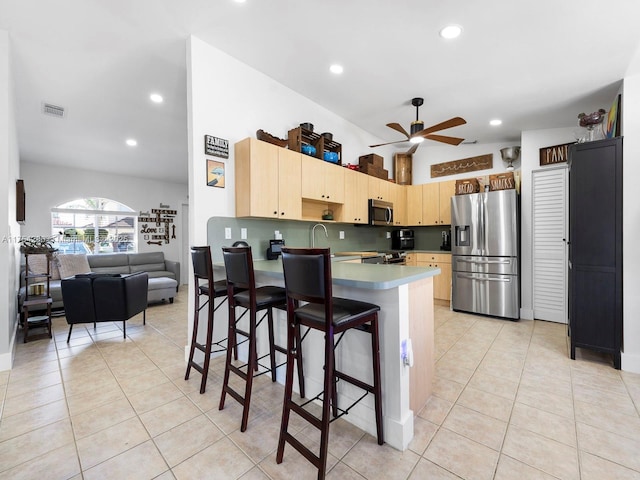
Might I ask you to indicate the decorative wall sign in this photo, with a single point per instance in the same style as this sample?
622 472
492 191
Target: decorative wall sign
215 174
555 154
482 162
156 226
218 147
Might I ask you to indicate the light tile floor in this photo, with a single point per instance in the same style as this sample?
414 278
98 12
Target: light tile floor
508 404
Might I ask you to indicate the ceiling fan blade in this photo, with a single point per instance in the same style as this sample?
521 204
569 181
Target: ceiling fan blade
388 143
413 149
444 139
398 128
452 122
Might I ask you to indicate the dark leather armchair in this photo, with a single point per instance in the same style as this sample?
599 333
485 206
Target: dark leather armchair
95 297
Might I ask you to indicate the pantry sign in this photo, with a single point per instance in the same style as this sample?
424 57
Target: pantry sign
555 154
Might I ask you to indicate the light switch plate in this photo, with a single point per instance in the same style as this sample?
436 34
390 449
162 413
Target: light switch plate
388 234
341 235
227 233
243 233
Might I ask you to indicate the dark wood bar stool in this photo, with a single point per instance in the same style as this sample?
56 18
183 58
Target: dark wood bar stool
204 286
307 276
238 263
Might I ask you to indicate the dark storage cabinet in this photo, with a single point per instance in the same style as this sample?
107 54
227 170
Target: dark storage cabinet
595 247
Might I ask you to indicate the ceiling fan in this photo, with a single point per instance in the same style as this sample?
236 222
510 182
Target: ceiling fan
419 133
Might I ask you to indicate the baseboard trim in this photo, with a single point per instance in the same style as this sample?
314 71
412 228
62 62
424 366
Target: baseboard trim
630 362
526 313
6 359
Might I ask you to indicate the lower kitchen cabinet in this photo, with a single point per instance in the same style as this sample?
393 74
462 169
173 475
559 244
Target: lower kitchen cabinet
595 247
442 282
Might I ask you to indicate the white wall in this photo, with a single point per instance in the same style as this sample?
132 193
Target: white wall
631 223
49 186
9 170
230 100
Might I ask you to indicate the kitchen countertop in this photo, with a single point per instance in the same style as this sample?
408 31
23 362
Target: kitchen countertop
360 275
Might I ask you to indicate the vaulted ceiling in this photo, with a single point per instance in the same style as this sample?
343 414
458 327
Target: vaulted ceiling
533 65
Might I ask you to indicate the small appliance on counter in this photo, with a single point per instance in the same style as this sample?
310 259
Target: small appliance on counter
446 241
275 249
402 239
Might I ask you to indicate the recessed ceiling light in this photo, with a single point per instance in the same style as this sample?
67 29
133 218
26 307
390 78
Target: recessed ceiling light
240 1
156 98
337 69
451 31
495 122
131 142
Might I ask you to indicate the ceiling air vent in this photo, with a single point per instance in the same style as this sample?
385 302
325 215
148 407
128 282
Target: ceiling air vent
53 110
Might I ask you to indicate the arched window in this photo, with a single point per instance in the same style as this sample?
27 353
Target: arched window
94 225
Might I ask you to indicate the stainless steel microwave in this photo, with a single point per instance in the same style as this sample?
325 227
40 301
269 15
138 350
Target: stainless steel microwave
380 213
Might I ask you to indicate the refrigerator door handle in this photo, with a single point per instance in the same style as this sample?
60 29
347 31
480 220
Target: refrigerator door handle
485 279
484 262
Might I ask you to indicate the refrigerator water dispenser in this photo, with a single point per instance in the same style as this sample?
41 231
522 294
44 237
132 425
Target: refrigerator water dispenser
463 235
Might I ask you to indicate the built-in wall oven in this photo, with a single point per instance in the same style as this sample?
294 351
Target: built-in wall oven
380 213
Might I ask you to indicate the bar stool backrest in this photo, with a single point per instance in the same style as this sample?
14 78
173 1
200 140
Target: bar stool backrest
307 276
202 266
238 264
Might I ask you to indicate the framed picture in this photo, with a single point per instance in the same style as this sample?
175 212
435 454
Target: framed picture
215 174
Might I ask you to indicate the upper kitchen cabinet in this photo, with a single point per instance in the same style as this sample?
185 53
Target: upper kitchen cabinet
414 205
398 196
436 202
322 181
379 188
267 181
356 196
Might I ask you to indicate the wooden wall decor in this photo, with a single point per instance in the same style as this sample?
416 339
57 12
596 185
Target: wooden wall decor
554 155
161 230
20 201
482 162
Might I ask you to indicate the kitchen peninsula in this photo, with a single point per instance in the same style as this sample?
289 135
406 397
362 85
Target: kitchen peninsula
405 296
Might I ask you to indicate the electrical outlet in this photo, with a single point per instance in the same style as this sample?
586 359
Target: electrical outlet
341 235
243 234
227 233
388 234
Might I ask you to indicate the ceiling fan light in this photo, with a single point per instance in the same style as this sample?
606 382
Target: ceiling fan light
451 31
416 139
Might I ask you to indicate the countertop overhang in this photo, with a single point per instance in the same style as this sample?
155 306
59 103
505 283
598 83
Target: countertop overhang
360 275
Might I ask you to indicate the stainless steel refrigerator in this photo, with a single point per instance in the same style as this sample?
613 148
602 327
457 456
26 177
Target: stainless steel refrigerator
485 248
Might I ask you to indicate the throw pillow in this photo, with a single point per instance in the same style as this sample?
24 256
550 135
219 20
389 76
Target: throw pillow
38 264
73 264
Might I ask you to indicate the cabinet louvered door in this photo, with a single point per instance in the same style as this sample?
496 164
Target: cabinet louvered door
549 225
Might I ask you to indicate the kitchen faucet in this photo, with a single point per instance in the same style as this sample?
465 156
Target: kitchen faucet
313 233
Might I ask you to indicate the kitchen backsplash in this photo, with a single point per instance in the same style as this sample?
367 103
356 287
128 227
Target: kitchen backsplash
298 234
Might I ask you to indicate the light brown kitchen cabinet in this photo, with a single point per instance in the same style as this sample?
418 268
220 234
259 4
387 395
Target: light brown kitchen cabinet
398 196
442 282
356 197
322 181
436 202
379 188
414 205
267 181
411 260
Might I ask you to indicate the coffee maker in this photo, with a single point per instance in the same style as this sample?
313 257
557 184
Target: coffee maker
446 240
